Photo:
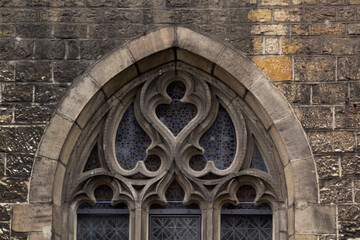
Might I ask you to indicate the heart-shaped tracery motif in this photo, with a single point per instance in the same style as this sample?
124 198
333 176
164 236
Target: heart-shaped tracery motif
176 115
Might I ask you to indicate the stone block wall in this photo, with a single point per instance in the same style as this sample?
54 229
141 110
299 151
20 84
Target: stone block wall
308 48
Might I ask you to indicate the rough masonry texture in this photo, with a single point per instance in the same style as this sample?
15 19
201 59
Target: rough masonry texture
309 49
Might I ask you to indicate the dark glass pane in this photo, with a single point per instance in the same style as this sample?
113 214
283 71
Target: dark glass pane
246 194
102 205
152 163
184 227
131 141
103 193
175 192
197 162
176 115
219 142
93 160
246 227
257 160
105 227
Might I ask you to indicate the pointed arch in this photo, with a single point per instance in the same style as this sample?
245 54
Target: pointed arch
91 90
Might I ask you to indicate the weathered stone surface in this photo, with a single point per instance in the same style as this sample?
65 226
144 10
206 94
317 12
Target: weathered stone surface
4 230
274 2
259 15
314 117
278 29
140 3
2 164
272 45
16 49
33 30
301 45
67 3
17 93
349 230
20 139
31 71
328 237
55 15
178 3
6 30
288 15
348 68
33 113
347 117
13 3
70 31
19 165
50 93
87 15
19 236
327 166
314 69
50 49
349 212
336 141
354 29
13 190
124 16
336 191
295 93
18 15
42 180
354 92
350 164
319 219
5 211
344 46
31 217
100 31
54 137
6 115
67 71
330 29
95 49
346 14
301 29
276 68
6 72
330 93
316 14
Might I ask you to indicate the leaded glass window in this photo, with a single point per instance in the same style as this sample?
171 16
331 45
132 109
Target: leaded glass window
174 220
102 220
246 220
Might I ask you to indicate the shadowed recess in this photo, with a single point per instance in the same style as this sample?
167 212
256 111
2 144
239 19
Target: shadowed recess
93 161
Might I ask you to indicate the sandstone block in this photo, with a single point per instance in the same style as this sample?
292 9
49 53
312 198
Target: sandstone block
327 166
341 46
67 71
6 115
301 29
337 141
330 93
87 15
70 31
319 219
19 165
354 29
320 14
350 164
314 69
347 116
336 191
355 91
6 72
50 93
274 2
287 15
259 15
124 16
276 68
55 15
31 217
33 71
20 138
33 30
13 190
314 117
301 45
295 93
18 16
16 93
6 30
328 29
272 46
348 68
49 49
275 30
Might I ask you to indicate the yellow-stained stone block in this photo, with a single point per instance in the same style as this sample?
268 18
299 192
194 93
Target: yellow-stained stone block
276 68
257 45
274 29
259 15
288 15
300 29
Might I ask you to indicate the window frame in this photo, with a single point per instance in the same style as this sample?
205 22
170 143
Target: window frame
210 215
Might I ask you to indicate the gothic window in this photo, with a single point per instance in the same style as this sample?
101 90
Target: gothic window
174 155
